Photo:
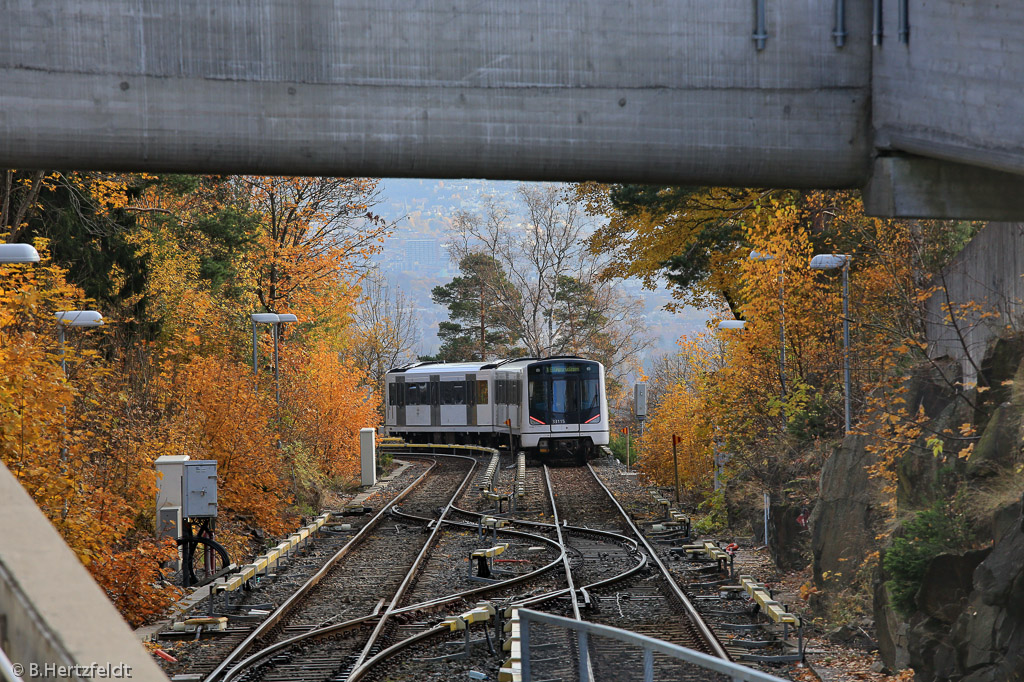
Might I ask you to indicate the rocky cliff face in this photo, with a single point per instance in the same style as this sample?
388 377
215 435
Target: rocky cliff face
969 618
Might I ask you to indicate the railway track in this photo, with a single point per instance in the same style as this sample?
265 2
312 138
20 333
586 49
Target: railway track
599 556
314 638
577 553
341 599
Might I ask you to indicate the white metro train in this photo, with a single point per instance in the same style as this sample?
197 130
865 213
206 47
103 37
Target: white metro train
554 407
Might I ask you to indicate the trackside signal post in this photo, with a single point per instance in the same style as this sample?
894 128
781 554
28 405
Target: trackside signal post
675 463
368 456
639 411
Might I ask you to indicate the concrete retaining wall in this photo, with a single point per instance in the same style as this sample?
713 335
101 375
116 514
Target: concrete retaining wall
985 277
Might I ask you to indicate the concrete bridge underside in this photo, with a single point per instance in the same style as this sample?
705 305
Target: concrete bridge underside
667 92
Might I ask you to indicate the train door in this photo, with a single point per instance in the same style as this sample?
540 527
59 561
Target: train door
390 402
565 400
553 398
484 399
501 400
515 399
453 401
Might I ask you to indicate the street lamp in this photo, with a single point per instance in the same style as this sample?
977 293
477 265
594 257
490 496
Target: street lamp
18 253
275 321
73 318
740 324
763 257
833 261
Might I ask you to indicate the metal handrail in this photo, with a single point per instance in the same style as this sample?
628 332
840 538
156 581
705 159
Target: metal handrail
650 645
8 673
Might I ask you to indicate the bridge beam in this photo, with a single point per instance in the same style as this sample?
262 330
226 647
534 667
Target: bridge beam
558 90
904 186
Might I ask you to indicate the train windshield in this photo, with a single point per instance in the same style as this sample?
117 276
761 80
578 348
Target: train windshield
565 393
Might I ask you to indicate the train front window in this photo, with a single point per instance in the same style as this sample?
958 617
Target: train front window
590 400
564 393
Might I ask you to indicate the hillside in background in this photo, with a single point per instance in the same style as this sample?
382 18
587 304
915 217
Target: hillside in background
415 256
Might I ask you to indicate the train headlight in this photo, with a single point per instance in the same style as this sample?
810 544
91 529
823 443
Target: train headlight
542 445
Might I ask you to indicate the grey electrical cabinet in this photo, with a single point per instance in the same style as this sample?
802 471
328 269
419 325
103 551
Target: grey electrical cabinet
640 400
199 488
168 522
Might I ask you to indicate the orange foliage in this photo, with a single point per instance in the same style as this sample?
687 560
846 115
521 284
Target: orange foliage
328 405
84 447
57 436
737 397
218 414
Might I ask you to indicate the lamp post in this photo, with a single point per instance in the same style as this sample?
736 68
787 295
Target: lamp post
275 321
18 253
71 318
763 257
740 324
74 318
833 261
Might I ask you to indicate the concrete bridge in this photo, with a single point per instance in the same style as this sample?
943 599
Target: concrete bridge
742 92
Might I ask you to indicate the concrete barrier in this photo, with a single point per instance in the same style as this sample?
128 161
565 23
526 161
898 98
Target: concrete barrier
52 613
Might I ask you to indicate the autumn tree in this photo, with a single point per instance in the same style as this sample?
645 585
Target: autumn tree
315 230
691 237
71 439
19 200
476 328
177 264
553 299
386 329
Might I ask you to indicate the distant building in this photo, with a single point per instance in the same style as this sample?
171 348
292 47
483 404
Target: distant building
420 252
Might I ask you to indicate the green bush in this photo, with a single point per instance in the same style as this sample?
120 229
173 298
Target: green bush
617 444
939 530
712 514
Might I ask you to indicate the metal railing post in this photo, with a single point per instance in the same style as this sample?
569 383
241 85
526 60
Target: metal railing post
584 645
524 645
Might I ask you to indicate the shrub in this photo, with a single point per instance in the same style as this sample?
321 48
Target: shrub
941 529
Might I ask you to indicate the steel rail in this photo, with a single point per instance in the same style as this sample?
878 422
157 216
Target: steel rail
260 655
631 544
267 625
358 673
691 611
330 630
561 541
414 571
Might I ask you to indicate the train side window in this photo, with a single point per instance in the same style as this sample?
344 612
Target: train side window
458 392
446 393
412 394
481 392
391 394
